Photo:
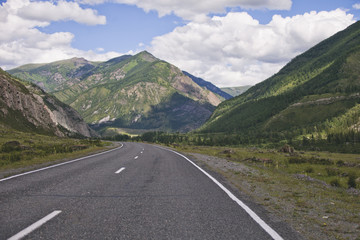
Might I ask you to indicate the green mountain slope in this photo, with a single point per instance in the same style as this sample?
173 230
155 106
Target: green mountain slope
55 76
26 107
307 96
138 91
235 91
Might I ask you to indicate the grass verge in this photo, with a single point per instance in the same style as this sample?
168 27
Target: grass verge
20 152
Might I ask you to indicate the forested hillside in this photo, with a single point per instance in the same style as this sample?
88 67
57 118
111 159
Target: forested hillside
315 96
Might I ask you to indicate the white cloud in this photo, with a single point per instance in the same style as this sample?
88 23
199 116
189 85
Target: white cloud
198 10
237 50
356 6
47 11
22 42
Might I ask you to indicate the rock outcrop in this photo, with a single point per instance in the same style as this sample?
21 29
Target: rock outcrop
25 106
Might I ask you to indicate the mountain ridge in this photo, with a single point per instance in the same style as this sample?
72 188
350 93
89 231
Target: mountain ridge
235 91
208 85
127 92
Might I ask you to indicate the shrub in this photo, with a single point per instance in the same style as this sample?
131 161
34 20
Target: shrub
297 160
332 171
340 163
335 183
321 161
309 170
352 180
11 146
14 157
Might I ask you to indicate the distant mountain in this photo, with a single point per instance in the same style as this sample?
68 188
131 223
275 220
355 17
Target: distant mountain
208 85
26 107
317 93
57 75
235 91
138 92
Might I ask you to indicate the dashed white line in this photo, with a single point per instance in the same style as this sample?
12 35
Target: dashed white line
120 170
136 157
34 226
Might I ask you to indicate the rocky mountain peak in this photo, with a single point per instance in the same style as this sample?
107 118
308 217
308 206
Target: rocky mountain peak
146 56
79 61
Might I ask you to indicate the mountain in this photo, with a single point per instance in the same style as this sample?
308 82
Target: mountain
26 107
55 76
138 92
318 93
208 85
235 91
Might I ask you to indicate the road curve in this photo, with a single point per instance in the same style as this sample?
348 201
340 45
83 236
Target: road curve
138 191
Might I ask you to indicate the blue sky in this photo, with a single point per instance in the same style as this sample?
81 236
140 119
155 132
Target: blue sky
127 27
230 43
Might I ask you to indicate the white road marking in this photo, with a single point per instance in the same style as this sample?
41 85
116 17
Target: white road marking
120 170
136 157
252 214
141 152
34 226
57 165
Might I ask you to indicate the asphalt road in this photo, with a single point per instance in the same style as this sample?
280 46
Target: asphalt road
138 191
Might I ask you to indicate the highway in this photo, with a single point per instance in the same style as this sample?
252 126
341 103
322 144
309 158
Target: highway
137 191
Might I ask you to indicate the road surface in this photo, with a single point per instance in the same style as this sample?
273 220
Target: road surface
137 191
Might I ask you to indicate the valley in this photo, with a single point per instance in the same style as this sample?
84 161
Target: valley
290 143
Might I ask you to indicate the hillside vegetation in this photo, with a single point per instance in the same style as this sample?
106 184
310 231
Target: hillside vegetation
314 97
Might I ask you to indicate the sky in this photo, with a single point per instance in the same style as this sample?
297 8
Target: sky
227 42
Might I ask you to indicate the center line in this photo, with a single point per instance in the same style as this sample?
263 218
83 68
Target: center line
136 157
120 170
34 226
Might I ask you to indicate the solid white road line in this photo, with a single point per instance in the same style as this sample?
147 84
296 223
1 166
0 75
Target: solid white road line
34 226
60 164
120 170
252 214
